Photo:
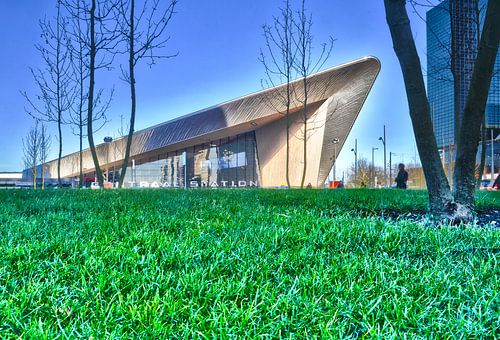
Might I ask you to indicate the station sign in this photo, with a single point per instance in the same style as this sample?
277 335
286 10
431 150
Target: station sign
196 184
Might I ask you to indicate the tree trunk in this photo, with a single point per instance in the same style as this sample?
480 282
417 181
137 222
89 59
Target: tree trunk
34 173
91 95
304 169
132 93
80 108
59 133
483 125
440 199
43 153
287 169
58 92
474 108
81 154
483 157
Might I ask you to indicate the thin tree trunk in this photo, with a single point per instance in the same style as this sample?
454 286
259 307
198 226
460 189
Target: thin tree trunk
34 173
91 95
483 154
81 153
474 108
59 132
483 125
81 100
289 66
440 199
80 108
43 154
132 93
304 169
58 91
287 170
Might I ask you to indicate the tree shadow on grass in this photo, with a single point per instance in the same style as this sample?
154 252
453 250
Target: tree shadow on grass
484 217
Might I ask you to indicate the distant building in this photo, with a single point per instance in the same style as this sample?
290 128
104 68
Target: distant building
10 179
242 142
467 17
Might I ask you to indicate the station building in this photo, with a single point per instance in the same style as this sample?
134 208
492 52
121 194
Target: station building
10 179
243 142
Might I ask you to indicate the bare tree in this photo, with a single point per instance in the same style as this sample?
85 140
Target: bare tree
31 150
458 206
365 172
54 80
101 40
80 67
44 149
81 73
143 30
99 31
306 64
278 62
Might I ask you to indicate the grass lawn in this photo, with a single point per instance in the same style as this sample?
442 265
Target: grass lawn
241 263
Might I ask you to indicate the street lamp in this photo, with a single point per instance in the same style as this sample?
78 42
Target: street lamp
335 141
383 140
355 150
108 141
373 167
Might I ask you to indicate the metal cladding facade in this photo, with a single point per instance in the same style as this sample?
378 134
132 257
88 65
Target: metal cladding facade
335 98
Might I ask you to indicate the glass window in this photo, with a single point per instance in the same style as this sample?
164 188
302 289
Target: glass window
228 162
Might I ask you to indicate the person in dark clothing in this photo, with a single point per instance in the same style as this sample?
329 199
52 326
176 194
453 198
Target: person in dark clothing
402 177
496 184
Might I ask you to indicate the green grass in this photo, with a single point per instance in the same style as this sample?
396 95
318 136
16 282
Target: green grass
247 263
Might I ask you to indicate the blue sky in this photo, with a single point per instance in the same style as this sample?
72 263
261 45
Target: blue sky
218 44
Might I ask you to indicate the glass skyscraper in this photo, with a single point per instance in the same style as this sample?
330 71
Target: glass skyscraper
467 17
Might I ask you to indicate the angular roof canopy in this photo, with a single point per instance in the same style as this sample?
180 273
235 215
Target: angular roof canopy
345 87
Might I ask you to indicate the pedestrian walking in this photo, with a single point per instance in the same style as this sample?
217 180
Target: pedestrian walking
496 184
402 177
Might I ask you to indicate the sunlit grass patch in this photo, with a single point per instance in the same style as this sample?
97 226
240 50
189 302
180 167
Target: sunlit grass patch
248 263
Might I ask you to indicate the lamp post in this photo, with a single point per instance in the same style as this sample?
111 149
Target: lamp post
373 166
335 141
355 150
108 141
383 140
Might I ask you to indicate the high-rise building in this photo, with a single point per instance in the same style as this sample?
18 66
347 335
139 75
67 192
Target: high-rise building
456 25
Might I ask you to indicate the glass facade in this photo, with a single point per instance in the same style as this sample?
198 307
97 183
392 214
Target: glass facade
493 103
227 163
439 76
440 82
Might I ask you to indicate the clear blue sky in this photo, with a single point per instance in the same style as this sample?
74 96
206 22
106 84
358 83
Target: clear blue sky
218 44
